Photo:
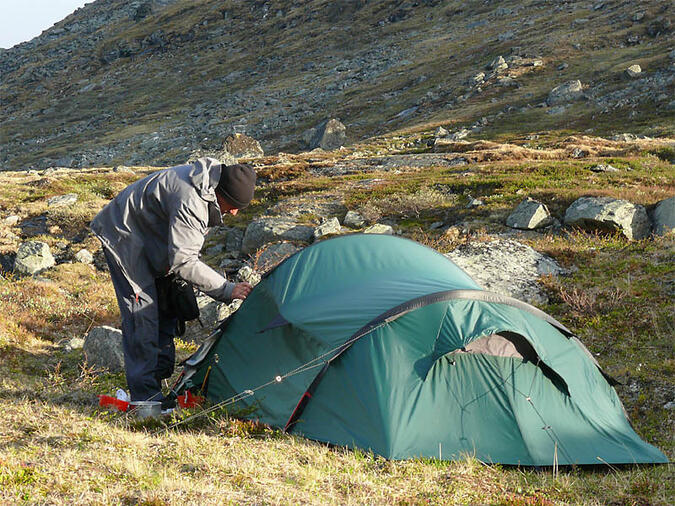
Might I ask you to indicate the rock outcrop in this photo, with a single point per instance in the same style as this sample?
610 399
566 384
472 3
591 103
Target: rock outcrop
507 267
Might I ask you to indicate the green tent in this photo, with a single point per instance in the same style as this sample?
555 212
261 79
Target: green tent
380 343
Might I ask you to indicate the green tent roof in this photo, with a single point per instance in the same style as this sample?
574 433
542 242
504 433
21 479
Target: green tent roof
380 343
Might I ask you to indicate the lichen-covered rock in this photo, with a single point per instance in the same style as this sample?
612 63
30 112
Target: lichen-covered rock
248 275
243 146
529 215
328 227
274 254
33 257
609 214
567 92
379 228
103 348
508 267
273 229
664 217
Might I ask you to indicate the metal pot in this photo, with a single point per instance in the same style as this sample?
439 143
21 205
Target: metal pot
145 409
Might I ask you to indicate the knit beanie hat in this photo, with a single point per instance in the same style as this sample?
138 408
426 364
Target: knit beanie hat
236 184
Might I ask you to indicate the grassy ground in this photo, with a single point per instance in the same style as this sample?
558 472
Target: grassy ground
58 447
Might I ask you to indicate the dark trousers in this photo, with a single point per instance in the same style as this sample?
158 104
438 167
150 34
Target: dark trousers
147 336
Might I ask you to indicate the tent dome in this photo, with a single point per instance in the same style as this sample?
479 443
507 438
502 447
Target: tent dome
380 343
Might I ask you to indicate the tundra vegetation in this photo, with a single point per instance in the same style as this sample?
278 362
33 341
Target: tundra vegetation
58 446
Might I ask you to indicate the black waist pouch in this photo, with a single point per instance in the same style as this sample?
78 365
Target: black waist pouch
177 298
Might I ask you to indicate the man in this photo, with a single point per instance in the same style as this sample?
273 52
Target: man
156 227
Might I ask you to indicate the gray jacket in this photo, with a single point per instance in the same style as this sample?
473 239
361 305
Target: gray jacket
157 225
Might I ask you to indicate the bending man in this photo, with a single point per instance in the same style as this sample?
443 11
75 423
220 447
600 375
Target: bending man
156 227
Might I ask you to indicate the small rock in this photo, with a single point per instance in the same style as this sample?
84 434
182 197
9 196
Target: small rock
562 66
459 134
12 220
436 225
669 405
76 343
624 137
123 169
604 168
477 79
529 215
103 348
248 275
354 220
579 153
664 217
440 132
634 71
638 16
329 227
474 203
498 64
379 228
33 257
62 200
567 92
84 257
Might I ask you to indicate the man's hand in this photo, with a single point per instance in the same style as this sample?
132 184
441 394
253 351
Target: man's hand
241 290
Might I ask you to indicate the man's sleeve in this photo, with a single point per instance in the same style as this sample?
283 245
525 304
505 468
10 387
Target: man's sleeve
186 237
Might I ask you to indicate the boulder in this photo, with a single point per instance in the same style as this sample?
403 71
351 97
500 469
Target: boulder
33 257
273 229
567 92
634 71
62 200
328 227
379 228
243 146
329 135
233 242
103 348
354 220
507 267
529 215
440 132
609 214
274 254
84 257
664 217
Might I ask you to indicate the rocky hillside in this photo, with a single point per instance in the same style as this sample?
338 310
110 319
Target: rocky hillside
150 82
